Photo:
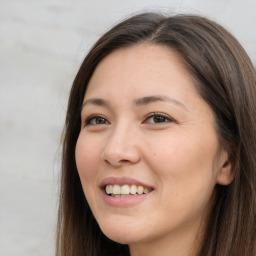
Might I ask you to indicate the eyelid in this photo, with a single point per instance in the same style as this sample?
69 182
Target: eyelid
152 114
89 118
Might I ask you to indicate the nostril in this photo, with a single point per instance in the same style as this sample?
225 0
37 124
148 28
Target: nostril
118 161
124 161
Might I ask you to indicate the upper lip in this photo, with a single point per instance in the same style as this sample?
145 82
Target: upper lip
122 181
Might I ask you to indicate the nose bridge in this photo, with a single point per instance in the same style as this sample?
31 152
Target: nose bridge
121 146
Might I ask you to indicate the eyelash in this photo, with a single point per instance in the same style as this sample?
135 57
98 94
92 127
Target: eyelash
94 117
161 115
151 115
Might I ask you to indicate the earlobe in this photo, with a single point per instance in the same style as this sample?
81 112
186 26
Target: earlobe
226 172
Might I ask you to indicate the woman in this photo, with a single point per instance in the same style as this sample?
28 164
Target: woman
159 147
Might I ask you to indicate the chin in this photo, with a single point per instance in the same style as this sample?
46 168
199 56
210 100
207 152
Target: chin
121 233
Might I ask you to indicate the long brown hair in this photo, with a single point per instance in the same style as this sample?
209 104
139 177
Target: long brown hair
226 80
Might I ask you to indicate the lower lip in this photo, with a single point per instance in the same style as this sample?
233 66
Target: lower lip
127 201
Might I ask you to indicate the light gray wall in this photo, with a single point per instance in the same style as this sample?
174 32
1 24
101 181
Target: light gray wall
42 43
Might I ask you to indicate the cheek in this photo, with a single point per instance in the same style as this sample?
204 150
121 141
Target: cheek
87 159
87 156
185 182
184 164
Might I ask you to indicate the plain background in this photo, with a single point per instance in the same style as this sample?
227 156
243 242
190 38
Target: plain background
42 43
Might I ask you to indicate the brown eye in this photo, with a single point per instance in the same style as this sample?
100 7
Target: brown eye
96 120
158 118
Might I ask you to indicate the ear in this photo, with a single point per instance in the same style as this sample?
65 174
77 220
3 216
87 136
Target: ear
225 173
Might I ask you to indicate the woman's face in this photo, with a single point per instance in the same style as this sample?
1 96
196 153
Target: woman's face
149 139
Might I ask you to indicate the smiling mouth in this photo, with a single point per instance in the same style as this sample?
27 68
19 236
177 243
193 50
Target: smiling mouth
115 190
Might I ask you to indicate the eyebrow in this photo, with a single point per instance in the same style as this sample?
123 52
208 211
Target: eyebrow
138 102
151 99
96 101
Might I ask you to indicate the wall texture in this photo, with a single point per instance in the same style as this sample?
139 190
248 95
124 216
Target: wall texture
42 43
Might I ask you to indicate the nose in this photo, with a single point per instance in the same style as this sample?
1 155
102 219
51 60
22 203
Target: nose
121 147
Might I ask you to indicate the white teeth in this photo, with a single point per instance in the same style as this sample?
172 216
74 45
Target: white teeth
125 190
116 190
109 189
140 190
133 189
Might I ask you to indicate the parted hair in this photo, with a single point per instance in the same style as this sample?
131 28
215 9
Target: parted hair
225 78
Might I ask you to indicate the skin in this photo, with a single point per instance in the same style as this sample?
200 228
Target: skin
177 152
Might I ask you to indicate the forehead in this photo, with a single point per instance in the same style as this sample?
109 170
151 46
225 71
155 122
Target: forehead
146 67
